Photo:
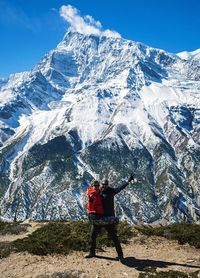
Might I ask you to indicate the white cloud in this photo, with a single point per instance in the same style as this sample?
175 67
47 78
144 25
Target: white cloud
91 21
85 25
110 33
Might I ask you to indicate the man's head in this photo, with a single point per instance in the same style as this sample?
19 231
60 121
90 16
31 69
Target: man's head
96 183
104 184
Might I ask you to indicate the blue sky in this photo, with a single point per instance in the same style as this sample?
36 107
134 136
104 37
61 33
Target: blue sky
30 28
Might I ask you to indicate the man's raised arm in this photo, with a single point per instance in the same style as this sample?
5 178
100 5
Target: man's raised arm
121 187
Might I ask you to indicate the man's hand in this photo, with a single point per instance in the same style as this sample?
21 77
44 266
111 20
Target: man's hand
91 198
134 180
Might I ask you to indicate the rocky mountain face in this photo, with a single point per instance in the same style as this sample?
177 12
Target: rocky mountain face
99 107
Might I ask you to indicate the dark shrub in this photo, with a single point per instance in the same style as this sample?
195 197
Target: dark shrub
183 233
61 238
5 249
12 228
169 274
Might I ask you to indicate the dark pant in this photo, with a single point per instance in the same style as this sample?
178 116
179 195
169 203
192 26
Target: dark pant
112 233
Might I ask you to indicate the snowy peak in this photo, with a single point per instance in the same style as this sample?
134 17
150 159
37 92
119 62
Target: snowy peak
79 58
189 55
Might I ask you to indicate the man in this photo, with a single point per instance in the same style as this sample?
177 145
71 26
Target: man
107 194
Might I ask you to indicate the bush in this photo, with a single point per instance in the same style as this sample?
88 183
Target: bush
183 233
5 249
66 274
12 228
61 238
169 274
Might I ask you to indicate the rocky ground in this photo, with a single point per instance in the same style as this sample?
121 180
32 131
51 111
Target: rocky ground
141 254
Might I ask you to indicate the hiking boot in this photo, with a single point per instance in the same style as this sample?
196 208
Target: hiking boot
89 255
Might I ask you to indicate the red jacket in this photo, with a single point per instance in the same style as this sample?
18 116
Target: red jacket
94 201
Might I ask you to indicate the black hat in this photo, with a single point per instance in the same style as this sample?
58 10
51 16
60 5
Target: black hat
95 183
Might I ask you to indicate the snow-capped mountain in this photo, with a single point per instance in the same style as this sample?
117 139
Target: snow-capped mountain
97 107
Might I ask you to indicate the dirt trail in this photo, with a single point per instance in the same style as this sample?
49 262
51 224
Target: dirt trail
141 253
